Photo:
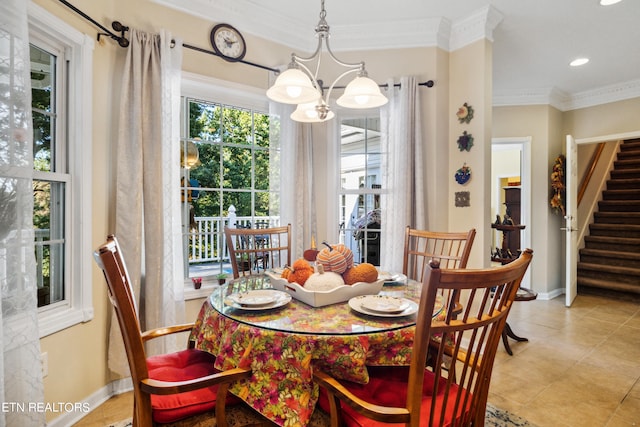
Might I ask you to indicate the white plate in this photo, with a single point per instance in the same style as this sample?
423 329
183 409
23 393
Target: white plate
356 304
384 303
255 297
392 278
264 299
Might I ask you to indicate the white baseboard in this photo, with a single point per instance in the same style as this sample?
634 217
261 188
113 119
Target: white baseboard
93 401
550 295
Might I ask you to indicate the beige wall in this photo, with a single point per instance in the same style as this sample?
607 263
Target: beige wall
470 82
606 119
77 355
541 123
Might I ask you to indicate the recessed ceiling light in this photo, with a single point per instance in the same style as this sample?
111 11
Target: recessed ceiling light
578 62
609 2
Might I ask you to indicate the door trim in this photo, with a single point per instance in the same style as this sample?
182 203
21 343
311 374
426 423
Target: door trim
525 195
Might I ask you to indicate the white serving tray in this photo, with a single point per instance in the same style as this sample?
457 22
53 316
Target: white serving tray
322 298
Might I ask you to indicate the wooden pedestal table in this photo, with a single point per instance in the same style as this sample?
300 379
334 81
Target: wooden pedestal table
506 254
523 294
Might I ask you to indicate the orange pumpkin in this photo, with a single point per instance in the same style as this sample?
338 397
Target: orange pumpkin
300 272
336 258
286 272
364 272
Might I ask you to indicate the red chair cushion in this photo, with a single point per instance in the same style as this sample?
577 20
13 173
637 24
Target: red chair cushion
388 387
183 365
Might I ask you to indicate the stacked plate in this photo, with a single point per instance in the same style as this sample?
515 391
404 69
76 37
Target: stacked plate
392 278
260 299
383 305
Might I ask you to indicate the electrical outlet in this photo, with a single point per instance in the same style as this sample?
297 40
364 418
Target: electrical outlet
44 361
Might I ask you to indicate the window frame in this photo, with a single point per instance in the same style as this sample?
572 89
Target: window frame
369 191
77 306
198 87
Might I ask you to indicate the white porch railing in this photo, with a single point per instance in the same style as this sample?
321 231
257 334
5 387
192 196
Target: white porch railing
207 242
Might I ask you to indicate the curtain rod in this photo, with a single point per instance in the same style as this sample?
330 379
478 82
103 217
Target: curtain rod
124 42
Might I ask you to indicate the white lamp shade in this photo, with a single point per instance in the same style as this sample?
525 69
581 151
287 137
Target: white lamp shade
362 92
293 87
307 113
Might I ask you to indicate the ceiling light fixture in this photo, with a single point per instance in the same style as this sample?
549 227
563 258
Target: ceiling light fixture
609 2
578 62
299 85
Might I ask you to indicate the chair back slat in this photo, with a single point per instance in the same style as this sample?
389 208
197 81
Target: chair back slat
252 251
451 249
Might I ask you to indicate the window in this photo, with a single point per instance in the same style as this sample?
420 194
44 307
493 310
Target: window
225 177
361 187
61 89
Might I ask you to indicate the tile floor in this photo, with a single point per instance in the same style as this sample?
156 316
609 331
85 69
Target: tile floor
580 368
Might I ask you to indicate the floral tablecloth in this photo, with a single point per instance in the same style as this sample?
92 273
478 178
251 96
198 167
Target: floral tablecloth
282 387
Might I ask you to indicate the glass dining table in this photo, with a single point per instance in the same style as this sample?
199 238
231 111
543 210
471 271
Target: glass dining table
285 341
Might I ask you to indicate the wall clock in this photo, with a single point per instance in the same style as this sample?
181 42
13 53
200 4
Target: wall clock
228 43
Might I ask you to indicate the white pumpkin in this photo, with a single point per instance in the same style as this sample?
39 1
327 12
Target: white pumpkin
323 280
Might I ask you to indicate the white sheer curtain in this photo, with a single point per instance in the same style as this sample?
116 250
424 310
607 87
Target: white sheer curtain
20 358
147 188
291 179
403 204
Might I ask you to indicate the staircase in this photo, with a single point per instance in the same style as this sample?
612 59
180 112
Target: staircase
610 260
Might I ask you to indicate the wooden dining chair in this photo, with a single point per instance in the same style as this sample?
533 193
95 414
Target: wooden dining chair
452 249
170 387
417 396
252 251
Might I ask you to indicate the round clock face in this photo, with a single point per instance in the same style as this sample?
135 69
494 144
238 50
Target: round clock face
228 42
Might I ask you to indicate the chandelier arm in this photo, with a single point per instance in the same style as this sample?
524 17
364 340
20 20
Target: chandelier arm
313 55
316 55
344 64
309 74
353 70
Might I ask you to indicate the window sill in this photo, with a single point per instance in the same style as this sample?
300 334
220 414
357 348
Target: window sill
190 293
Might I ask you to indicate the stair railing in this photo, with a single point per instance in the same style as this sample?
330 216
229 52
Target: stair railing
591 167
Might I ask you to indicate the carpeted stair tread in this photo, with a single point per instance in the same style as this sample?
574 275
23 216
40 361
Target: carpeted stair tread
621 194
617 217
606 284
619 205
627 164
628 177
611 269
615 230
633 256
629 154
620 240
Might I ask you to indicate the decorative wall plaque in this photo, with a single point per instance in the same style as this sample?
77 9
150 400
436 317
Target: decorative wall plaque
463 199
465 113
463 175
465 141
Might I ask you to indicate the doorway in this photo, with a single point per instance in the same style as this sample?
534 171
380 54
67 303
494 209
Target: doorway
511 168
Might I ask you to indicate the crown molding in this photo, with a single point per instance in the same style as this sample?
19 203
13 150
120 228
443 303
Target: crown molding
369 36
567 102
603 95
544 96
477 26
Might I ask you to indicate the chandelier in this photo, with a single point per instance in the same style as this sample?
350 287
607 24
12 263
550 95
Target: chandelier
299 85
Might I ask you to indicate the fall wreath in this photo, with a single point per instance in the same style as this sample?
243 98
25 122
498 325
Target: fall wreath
558 185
